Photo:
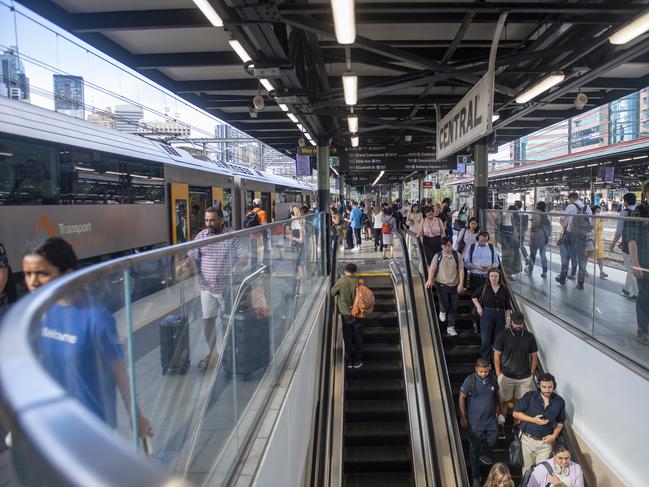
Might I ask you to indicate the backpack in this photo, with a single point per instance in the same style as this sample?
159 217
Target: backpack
493 253
528 475
387 227
251 219
581 225
439 259
363 302
472 385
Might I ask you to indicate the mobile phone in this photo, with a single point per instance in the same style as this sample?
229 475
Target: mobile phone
147 443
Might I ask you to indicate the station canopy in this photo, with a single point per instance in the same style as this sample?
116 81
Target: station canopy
409 57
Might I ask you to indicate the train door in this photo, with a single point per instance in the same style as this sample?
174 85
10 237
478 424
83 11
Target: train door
266 204
179 212
199 200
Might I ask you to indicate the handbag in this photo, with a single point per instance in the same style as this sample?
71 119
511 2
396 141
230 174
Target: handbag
515 451
461 244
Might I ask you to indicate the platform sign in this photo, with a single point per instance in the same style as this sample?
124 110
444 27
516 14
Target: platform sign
333 161
392 158
427 185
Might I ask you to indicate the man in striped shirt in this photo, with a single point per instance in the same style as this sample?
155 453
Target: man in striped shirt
215 263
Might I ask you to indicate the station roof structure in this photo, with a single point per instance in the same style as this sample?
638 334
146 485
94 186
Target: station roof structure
409 57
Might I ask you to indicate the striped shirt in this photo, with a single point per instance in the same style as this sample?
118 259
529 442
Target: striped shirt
217 260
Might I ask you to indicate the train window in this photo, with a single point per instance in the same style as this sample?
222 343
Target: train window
40 173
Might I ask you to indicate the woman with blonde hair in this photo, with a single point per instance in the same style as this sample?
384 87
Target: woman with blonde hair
499 476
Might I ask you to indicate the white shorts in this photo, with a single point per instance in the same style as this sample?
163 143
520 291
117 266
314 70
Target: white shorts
514 388
212 304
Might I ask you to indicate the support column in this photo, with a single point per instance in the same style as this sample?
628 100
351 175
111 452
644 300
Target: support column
480 178
323 177
341 186
420 179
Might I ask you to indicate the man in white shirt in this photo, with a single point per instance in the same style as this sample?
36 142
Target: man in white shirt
575 230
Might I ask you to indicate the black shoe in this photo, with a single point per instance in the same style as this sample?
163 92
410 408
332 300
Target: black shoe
626 293
560 281
633 298
485 460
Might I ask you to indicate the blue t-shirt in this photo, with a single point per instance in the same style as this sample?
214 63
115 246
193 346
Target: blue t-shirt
79 345
482 401
356 216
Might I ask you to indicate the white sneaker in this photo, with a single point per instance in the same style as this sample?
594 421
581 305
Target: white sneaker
356 249
442 316
451 331
501 419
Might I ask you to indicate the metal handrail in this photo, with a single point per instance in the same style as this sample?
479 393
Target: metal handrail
447 394
561 214
245 284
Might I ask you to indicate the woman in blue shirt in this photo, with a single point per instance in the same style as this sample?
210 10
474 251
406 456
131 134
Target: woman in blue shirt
79 345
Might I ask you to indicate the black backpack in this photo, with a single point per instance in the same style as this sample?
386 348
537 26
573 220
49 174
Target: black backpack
251 219
493 253
581 224
528 475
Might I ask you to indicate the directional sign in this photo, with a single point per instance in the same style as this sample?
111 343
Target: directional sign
392 158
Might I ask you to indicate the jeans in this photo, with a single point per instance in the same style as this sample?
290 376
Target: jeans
491 323
378 238
573 249
489 433
357 236
448 298
642 305
542 252
353 337
521 242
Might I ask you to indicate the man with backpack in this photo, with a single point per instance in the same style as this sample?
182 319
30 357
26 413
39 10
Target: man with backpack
575 231
355 302
481 257
447 271
479 401
558 470
639 252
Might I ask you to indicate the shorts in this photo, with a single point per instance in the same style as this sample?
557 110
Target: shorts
212 304
514 388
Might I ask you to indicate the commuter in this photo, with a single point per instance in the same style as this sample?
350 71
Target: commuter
297 235
356 219
462 218
194 221
521 221
447 217
256 216
405 212
388 226
336 221
432 231
345 289
541 230
447 271
414 219
515 362
377 225
214 267
511 259
639 252
4 280
492 301
558 470
499 476
79 344
542 415
467 237
366 220
630 289
349 233
598 251
480 391
481 256
575 231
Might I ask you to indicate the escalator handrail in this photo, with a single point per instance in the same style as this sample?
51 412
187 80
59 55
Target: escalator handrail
324 413
447 393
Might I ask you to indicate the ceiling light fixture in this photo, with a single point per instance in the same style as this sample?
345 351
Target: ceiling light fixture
378 177
630 31
241 52
292 117
352 123
355 141
344 20
283 107
350 87
543 85
334 170
209 12
266 84
494 117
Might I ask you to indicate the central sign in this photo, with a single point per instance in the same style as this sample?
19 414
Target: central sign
392 158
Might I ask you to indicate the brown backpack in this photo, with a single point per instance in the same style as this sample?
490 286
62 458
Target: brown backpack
363 302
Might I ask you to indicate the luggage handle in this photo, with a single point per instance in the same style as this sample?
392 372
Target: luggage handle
183 313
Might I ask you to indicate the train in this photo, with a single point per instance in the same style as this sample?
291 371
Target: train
112 193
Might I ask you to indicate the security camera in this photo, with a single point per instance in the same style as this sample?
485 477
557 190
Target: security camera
580 100
258 102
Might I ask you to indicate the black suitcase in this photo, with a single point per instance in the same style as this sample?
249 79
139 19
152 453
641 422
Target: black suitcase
174 340
252 345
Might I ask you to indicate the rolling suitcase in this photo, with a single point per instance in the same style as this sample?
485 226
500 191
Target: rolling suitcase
174 340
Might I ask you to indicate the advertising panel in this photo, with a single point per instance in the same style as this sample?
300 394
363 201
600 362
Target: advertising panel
91 229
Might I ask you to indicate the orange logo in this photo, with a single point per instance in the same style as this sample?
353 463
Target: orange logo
46 225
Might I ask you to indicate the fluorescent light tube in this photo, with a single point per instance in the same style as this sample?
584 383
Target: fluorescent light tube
378 177
292 117
350 87
266 84
209 12
352 123
334 170
300 127
283 107
312 142
344 20
494 117
241 52
355 141
543 85
633 29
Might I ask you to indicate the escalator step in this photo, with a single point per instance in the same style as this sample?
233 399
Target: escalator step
376 369
381 351
374 434
377 459
374 389
380 334
379 480
357 410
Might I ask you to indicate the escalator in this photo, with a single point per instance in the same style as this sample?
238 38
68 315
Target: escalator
376 433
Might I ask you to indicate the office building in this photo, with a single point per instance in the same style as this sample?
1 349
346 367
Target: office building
105 118
128 118
68 95
13 80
